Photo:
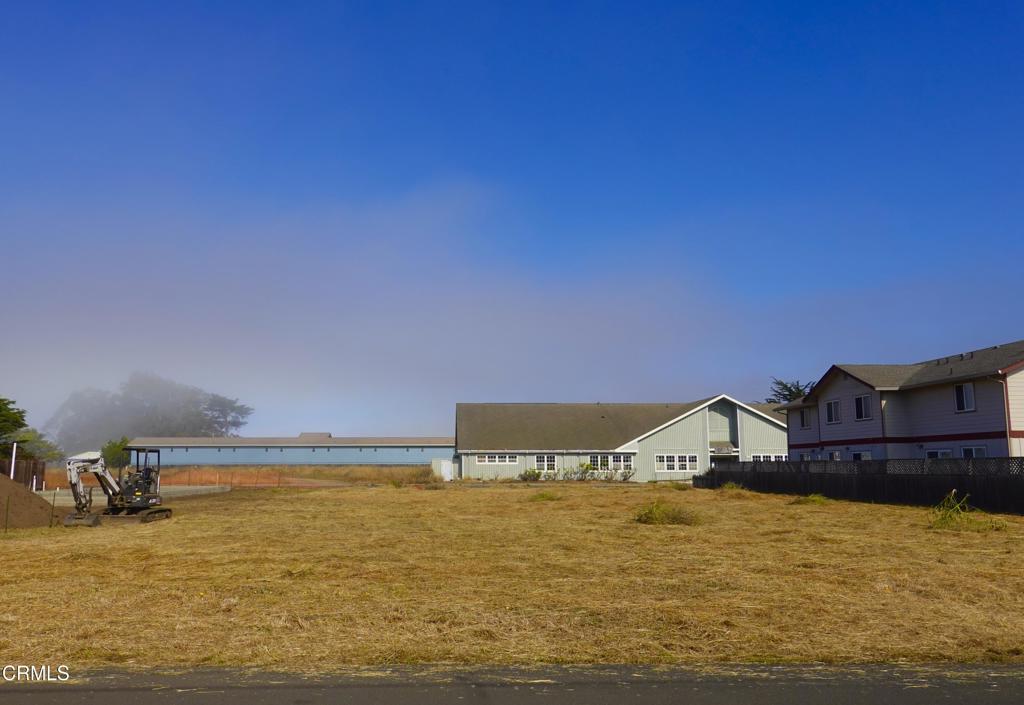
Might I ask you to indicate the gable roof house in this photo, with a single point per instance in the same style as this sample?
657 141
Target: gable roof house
960 406
653 441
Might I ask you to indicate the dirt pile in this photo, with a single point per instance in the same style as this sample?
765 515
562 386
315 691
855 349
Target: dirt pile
27 510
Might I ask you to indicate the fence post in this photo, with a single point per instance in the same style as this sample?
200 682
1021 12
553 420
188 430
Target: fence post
7 513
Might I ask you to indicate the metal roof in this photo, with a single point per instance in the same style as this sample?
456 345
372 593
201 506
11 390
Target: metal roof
303 440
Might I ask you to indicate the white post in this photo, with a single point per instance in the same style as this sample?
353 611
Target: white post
14 454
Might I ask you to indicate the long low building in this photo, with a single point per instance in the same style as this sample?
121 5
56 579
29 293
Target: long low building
304 449
644 441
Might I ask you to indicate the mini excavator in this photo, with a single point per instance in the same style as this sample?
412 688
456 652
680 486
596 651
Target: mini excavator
134 497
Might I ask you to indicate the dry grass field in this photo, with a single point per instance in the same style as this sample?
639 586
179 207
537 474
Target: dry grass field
315 580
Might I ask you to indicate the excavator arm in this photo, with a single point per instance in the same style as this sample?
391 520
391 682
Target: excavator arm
91 463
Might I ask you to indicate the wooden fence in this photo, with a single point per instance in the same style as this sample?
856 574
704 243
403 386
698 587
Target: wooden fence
995 484
24 471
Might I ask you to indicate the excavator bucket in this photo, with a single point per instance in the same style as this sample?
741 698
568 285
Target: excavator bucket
82 520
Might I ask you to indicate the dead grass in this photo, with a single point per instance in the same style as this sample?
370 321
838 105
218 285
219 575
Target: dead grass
316 580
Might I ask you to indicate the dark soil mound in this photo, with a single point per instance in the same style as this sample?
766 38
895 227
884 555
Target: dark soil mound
27 510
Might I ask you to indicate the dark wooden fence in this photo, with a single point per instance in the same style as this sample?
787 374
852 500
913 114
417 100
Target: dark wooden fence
995 484
24 471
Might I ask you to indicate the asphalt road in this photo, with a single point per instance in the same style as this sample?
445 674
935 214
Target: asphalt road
802 685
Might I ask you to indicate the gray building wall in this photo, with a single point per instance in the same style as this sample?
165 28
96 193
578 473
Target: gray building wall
688 435
759 436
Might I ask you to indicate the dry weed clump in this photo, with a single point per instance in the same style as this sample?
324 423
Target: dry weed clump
952 514
815 499
661 512
543 496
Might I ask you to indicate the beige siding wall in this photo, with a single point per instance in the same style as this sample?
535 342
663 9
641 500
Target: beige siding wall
760 436
845 388
1015 388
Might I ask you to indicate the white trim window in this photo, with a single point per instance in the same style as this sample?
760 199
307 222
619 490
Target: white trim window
862 407
805 418
833 412
780 458
973 452
768 458
963 397
861 455
938 454
675 462
498 459
545 463
834 455
622 462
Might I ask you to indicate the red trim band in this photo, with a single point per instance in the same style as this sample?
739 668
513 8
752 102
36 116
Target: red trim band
879 440
1016 434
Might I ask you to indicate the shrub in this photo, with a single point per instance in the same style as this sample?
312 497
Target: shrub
395 482
682 486
810 499
543 496
952 514
732 486
531 475
659 512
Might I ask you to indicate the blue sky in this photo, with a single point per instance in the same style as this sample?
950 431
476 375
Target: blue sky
352 215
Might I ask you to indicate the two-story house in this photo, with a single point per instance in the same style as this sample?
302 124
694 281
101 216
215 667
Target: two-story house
969 405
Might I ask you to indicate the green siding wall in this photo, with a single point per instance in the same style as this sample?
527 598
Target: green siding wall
689 435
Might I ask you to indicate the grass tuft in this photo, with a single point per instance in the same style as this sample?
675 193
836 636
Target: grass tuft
661 512
811 499
681 486
732 486
543 496
952 514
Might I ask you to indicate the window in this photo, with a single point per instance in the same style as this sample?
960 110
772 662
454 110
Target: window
781 458
805 457
832 414
862 455
497 459
834 455
964 395
862 407
671 463
974 452
545 463
757 458
622 462
805 418
938 453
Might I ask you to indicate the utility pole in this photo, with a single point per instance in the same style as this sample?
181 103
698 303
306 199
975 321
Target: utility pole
14 454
